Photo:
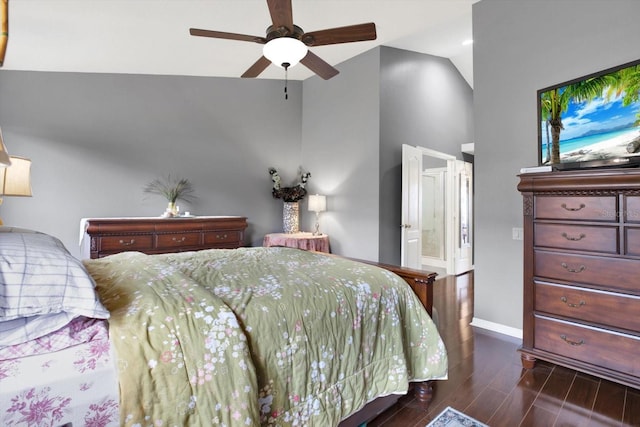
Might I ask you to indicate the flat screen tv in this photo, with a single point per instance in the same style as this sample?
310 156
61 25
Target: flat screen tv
592 121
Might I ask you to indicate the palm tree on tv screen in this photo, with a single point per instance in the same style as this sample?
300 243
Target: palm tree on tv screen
631 87
554 103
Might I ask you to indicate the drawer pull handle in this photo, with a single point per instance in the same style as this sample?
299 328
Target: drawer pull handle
582 205
573 270
129 243
221 236
574 239
573 305
568 341
182 239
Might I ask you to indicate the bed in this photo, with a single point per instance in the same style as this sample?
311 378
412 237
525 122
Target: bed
255 336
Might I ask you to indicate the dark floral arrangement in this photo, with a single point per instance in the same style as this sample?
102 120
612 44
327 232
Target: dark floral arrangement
289 194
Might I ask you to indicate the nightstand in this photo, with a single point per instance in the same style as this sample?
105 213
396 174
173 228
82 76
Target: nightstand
306 241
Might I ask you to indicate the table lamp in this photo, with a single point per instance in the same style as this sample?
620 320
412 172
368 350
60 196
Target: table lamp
15 180
317 204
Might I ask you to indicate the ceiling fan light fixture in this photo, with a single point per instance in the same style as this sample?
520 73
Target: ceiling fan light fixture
284 50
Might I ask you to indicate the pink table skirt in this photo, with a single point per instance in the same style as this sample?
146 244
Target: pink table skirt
306 241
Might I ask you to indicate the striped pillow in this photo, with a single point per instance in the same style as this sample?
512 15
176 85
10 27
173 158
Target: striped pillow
42 287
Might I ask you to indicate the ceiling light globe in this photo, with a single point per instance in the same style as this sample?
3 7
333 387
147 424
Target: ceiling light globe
284 50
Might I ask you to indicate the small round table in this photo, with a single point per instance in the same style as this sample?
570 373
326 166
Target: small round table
303 240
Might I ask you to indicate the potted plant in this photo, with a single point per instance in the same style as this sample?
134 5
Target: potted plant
172 190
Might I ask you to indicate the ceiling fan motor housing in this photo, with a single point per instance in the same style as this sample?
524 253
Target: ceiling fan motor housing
274 32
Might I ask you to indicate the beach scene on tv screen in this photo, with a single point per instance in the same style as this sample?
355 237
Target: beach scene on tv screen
593 119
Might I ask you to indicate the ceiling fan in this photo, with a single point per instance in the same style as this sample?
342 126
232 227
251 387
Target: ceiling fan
286 44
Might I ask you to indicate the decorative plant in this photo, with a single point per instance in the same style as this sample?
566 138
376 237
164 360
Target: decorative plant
289 194
171 189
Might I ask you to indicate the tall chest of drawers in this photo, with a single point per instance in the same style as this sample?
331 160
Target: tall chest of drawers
582 271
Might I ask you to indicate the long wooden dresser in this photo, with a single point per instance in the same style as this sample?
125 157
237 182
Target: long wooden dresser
106 236
582 271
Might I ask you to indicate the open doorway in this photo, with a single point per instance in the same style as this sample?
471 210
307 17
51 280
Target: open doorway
437 211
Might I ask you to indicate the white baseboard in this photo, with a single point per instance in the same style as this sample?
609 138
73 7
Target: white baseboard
497 327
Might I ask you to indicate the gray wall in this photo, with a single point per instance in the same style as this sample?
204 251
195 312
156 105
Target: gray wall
340 128
424 101
520 47
95 140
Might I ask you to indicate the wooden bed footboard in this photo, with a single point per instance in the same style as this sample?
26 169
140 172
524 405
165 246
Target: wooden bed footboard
420 281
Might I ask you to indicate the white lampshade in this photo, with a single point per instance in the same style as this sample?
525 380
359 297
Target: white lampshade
15 180
284 50
317 203
4 156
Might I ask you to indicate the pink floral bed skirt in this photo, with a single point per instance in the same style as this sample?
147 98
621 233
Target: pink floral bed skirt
77 385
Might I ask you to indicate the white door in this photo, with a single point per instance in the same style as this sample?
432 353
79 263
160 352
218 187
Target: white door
411 234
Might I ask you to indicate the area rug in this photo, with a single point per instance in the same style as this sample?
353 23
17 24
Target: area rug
452 418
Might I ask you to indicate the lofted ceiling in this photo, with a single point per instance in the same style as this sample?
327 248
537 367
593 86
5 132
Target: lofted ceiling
152 36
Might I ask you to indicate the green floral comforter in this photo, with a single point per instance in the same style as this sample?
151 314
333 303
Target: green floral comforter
260 336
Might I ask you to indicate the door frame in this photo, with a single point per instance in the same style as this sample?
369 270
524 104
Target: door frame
411 221
463 251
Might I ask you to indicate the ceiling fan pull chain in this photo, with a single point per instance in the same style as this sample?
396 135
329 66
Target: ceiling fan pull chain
286 78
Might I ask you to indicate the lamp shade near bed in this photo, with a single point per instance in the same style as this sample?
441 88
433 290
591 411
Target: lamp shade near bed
15 180
317 204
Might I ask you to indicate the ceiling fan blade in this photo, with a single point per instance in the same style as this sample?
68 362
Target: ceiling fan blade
318 65
259 66
228 36
351 33
281 14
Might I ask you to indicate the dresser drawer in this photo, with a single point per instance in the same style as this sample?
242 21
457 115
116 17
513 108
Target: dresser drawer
592 208
608 272
632 209
632 239
577 237
177 240
605 308
591 345
221 237
125 243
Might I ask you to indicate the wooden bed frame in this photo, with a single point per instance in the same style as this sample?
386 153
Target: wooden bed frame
422 284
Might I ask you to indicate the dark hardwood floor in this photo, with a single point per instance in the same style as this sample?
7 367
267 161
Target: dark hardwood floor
487 381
